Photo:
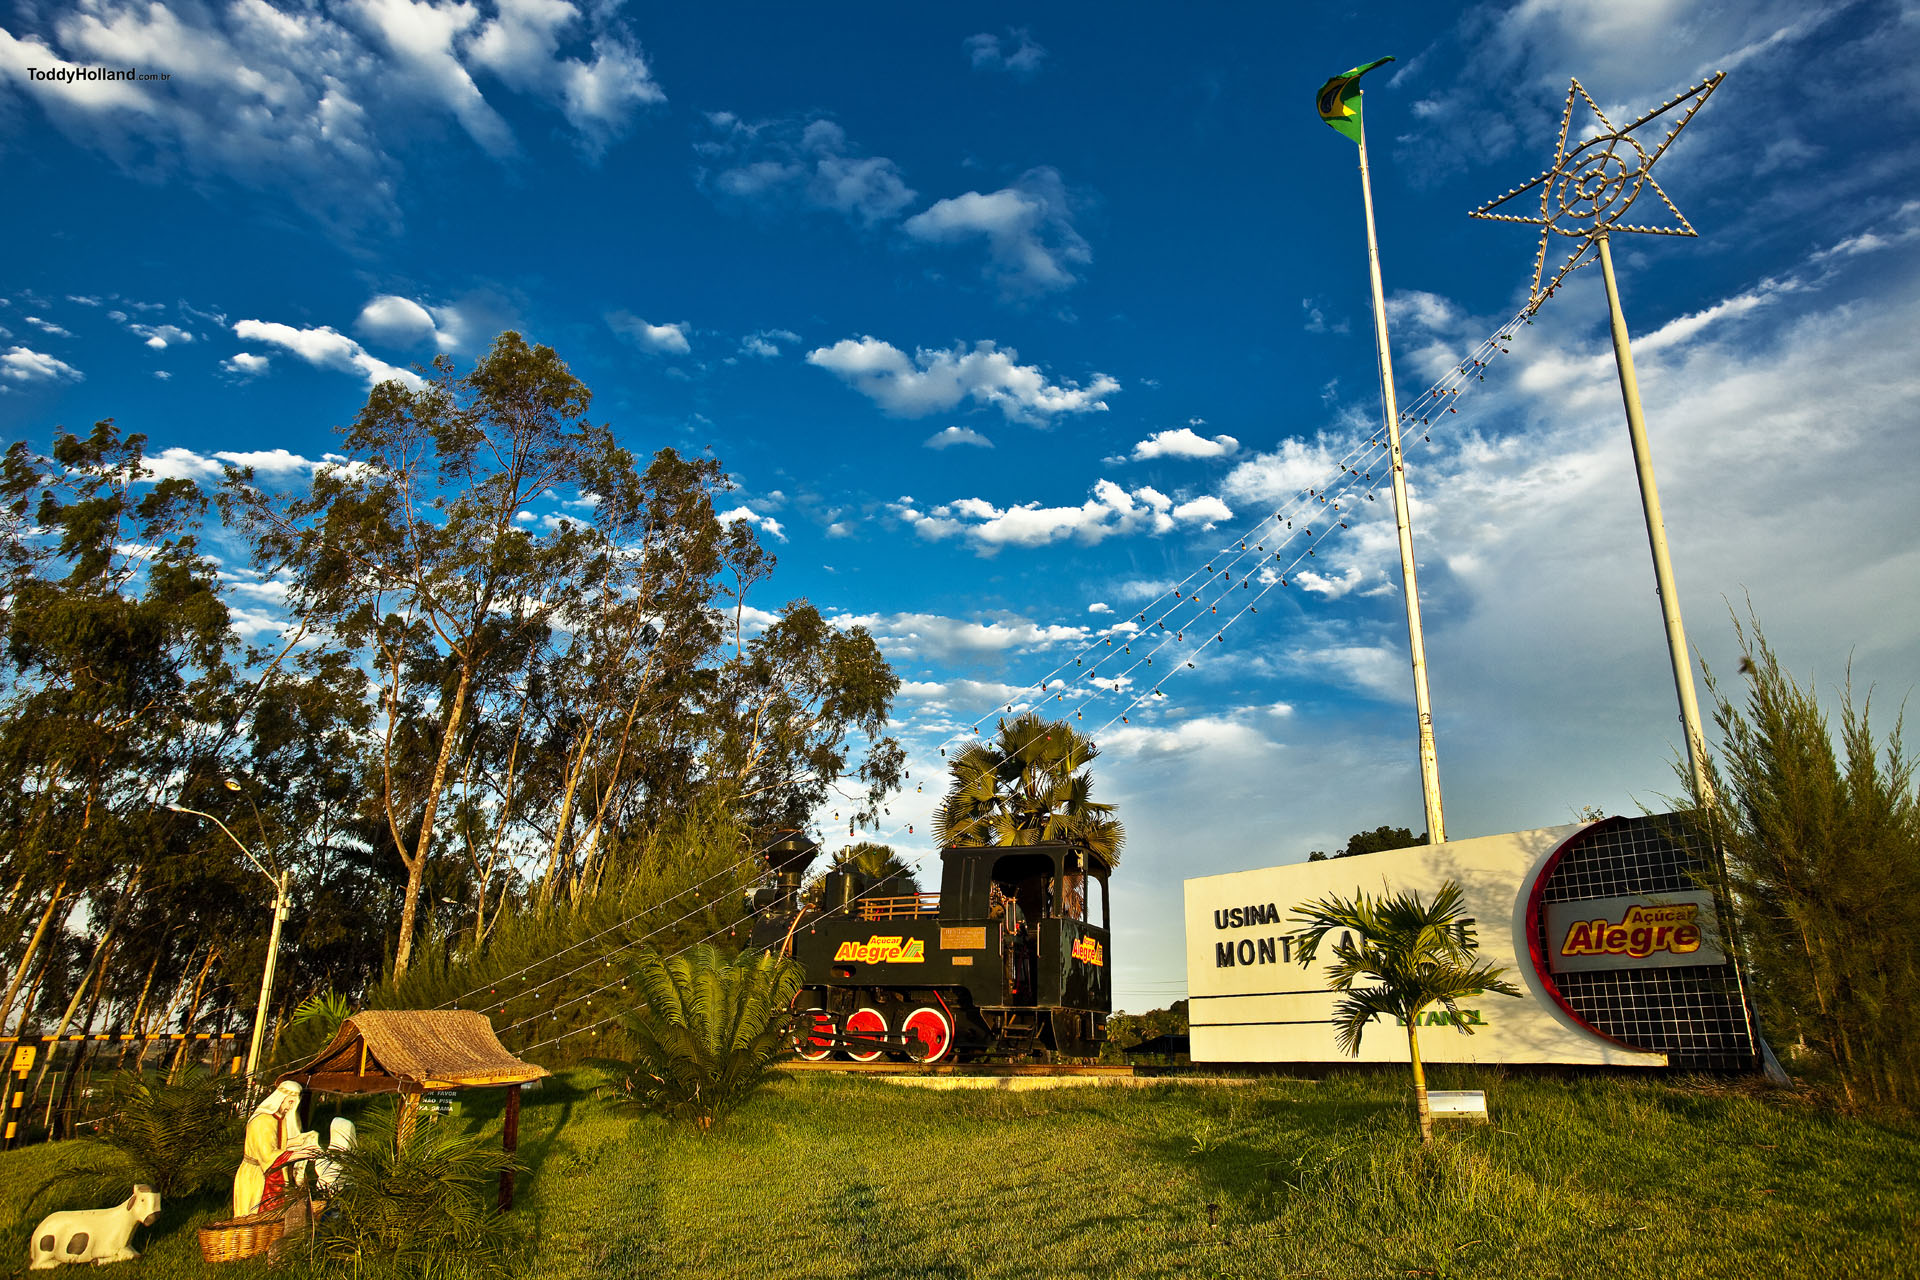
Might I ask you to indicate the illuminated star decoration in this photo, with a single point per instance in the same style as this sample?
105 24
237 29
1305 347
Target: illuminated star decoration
1586 190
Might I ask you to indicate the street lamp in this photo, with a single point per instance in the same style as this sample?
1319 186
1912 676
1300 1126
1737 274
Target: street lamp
280 882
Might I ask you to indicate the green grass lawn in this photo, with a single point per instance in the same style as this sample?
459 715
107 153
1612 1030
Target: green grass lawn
837 1177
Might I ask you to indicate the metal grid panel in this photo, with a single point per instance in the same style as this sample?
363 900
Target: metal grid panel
1693 1015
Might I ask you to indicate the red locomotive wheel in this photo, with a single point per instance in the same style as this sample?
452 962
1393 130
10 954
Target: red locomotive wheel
813 1041
929 1034
866 1021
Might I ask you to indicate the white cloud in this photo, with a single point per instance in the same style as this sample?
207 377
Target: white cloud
327 348
20 364
1099 606
950 436
810 163
934 637
1205 512
766 343
246 364
302 98
662 339
396 321
1273 477
1020 54
939 380
47 326
765 523
1032 247
160 336
1184 442
178 463
520 45
1202 733
1110 511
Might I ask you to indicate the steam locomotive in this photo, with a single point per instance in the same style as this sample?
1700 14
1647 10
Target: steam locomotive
1009 960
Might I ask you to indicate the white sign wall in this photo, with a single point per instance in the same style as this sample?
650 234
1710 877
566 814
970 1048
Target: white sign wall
1251 1001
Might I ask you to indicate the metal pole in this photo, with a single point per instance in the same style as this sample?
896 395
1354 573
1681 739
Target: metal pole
1656 534
266 977
1429 763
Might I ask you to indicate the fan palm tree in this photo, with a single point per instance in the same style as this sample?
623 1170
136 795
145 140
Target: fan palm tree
1414 954
710 1026
887 870
1030 784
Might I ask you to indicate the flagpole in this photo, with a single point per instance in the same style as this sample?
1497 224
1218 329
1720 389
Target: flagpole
1429 762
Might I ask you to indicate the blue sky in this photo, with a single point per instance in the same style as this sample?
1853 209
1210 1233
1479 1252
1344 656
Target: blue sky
1005 320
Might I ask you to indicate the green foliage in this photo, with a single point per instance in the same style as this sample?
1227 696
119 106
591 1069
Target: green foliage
417 1200
1125 1030
709 1027
1378 840
1413 953
1029 785
1823 850
180 1139
322 1014
887 874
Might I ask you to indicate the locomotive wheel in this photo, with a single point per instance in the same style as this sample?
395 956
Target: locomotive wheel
813 1040
866 1021
929 1034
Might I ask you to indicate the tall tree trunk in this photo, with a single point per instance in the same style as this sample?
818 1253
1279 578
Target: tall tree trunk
1419 1079
417 864
26 960
81 1052
140 1005
193 1011
100 952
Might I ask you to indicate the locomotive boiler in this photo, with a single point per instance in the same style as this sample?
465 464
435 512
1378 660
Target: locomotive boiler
1009 960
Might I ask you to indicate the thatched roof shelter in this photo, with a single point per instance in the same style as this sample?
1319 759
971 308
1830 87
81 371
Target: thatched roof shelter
412 1050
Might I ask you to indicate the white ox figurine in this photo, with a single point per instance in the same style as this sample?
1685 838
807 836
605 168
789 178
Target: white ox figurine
93 1235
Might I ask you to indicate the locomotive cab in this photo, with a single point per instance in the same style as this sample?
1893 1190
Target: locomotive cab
1009 959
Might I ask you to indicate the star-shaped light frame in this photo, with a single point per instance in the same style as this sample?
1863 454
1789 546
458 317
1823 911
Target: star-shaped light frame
1584 193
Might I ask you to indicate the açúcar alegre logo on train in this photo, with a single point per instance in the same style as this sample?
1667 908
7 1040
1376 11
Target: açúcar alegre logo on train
879 950
1090 950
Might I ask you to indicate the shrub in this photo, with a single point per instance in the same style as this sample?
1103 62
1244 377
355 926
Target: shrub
1823 851
710 1026
421 1201
180 1139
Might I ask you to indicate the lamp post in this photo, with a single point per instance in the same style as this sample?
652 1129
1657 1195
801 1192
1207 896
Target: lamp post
280 881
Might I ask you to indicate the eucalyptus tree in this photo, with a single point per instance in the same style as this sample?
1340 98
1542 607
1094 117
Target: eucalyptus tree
1412 953
118 667
412 551
1029 784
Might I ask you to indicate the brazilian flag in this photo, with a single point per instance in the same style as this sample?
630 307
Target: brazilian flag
1339 99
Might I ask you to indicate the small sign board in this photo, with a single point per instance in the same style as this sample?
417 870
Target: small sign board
438 1102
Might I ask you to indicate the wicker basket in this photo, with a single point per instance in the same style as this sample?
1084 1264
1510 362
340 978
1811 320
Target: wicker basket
232 1239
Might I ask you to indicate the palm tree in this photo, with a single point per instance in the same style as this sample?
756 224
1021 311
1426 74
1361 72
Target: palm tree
1415 953
878 863
710 1026
1029 785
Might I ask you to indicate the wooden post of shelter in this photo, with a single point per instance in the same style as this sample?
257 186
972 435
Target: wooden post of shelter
410 1051
510 1140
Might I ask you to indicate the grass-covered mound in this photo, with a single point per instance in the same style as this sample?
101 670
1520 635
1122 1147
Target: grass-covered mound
835 1177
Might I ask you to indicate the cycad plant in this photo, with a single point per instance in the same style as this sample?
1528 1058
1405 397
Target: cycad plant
709 1027
418 1198
1411 953
178 1138
1030 784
